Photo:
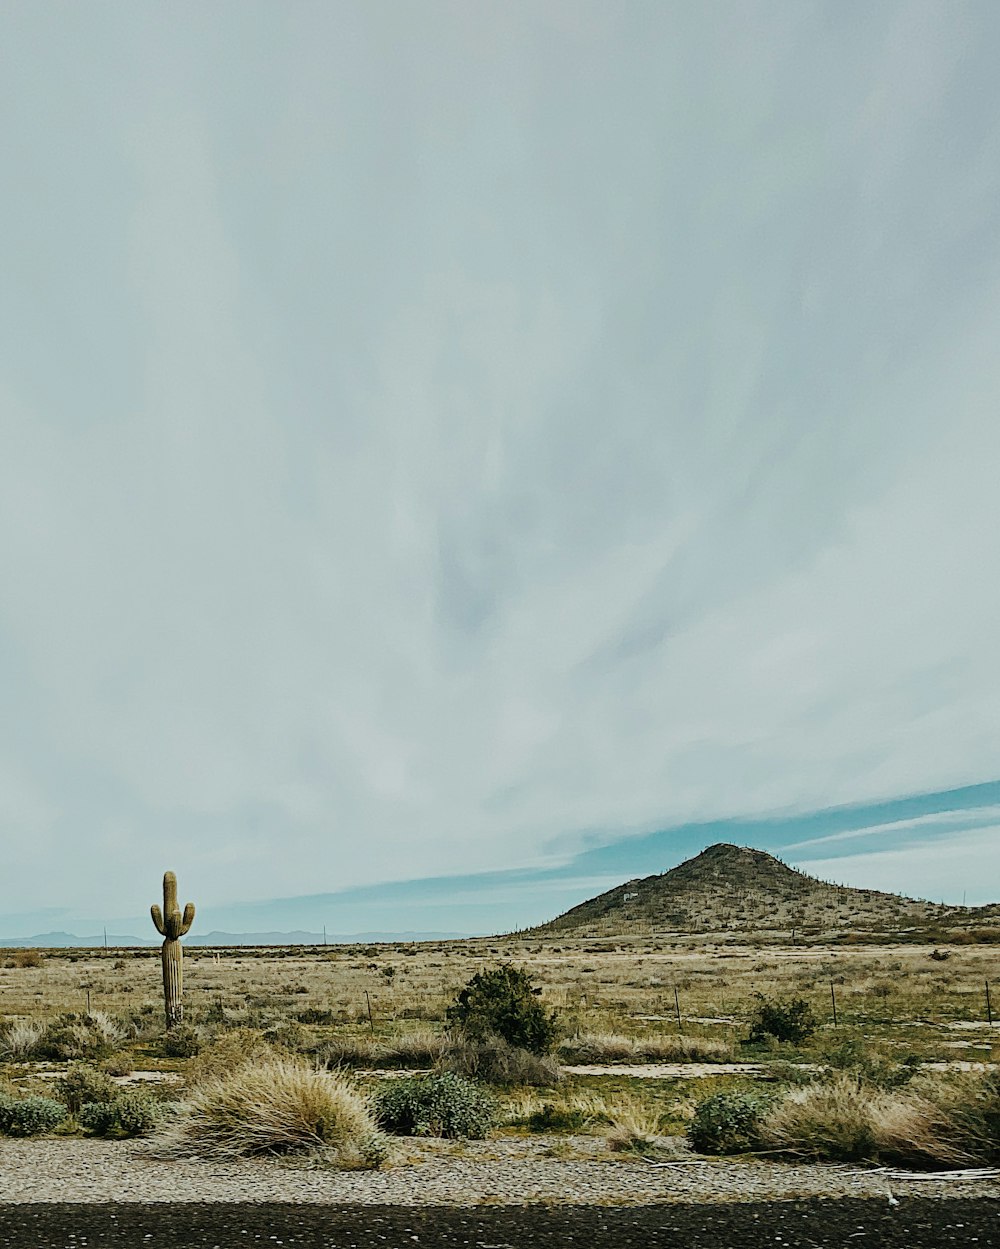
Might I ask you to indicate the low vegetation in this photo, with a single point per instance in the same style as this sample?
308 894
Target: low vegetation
444 1104
29 1116
275 1105
547 1031
503 1002
932 1121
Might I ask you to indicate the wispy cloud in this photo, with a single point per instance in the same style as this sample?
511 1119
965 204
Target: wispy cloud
431 441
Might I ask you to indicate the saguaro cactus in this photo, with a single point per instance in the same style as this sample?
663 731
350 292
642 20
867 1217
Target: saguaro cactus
173 926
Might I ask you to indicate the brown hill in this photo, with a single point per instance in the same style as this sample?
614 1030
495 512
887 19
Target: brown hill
737 891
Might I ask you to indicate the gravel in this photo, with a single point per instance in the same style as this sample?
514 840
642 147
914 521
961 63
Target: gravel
504 1171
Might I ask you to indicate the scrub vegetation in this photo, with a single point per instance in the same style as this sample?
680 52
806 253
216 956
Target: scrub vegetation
878 1049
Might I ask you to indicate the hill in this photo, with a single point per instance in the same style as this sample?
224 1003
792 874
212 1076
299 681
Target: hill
734 890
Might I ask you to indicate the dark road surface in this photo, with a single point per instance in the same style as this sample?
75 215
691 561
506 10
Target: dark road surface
914 1223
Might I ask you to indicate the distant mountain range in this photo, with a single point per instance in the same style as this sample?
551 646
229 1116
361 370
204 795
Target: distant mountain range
69 940
736 890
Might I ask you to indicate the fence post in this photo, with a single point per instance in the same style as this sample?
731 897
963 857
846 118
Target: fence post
833 999
989 1005
677 1008
371 1022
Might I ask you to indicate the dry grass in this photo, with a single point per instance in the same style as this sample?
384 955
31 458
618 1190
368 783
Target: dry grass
615 999
933 1123
274 1106
825 1120
493 1061
229 1051
613 1047
18 1040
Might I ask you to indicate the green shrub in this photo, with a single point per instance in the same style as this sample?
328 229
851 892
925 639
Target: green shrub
502 1002
127 1114
83 1083
785 1019
727 1123
29 1116
444 1104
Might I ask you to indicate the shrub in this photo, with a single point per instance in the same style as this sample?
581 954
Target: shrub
502 1002
422 1048
948 1122
94 1036
785 1019
868 1066
493 1061
126 1114
822 1120
348 1052
83 1083
726 1123
276 1105
180 1042
29 1116
20 1038
444 1104
27 958
227 1052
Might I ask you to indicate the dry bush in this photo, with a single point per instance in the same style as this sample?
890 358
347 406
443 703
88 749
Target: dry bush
26 958
683 1049
597 1047
613 1047
971 1102
348 1051
635 1128
228 1051
913 1131
275 1105
937 1122
421 1048
111 1031
824 1120
493 1061
19 1039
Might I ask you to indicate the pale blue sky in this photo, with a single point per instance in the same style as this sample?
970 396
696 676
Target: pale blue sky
441 438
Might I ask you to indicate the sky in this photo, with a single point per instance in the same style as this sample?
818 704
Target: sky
448 442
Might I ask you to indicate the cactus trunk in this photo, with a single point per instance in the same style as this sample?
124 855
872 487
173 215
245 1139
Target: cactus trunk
173 925
172 955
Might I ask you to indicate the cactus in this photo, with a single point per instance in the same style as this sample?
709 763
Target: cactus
173 926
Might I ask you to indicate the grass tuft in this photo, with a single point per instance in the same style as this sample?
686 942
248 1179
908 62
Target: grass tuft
276 1105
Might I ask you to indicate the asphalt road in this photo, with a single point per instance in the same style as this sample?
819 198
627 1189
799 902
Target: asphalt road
915 1223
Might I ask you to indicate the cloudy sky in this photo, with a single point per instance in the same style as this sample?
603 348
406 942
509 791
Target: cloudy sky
449 439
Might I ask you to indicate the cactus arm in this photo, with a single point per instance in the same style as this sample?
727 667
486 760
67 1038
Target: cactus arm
188 919
157 915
